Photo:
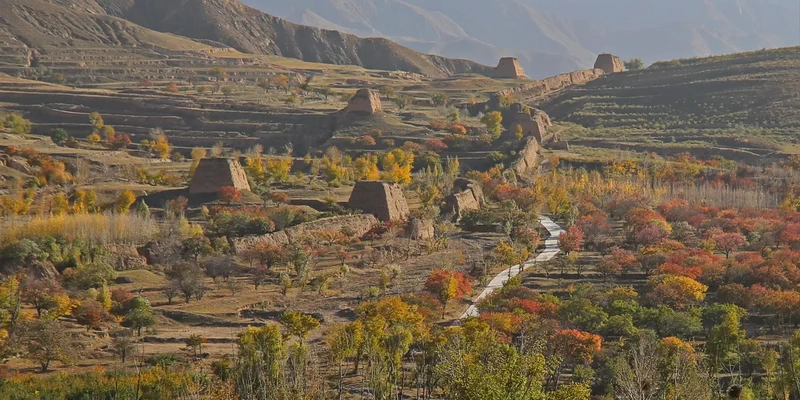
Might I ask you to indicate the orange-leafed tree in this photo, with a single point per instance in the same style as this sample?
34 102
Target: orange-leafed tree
447 285
229 194
676 291
728 242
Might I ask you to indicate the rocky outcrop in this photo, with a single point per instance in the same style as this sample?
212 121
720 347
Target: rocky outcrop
18 164
357 225
126 257
467 195
365 101
534 123
213 174
609 63
509 68
383 200
526 163
421 229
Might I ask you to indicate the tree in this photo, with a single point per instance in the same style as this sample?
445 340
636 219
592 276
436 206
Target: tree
91 314
122 343
397 165
299 324
93 138
447 285
634 64
172 87
46 295
196 246
45 341
227 91
218 74
160 144
195 342
60 136
343 341
617 263
402 101
189 280
229 194
676 291
259 370
493 122
281 82
96 121
439 99
139 316
571 240
124 202
17 124
728 242
198 153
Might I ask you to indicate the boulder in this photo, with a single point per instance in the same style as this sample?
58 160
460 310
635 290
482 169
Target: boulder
384 200
19 164
212 174
467 195
526 163
364 101
509 68
534 123
609 63
421 229
121 280
43 269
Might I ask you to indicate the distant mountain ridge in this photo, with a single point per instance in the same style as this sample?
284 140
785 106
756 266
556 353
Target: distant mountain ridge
37 23
551 37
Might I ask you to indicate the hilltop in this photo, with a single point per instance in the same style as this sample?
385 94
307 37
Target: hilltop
192 25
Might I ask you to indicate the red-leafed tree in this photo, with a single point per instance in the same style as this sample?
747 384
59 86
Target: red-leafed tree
229 194
619 262
728 242
571 240
447 285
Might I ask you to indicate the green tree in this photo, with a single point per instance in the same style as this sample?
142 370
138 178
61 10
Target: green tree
60 136
17 124
439 99
259 368
634 64
44 341
139 316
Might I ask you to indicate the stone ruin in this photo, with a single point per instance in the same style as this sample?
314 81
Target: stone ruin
213 174
383 200
421 229
534 122
365 101
467 195
609 63
509 68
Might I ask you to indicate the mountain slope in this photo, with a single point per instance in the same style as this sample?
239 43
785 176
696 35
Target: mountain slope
550 36
249 30
194 24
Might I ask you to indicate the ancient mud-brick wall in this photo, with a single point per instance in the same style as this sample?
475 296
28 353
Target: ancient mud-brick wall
358 225
213 174
383 200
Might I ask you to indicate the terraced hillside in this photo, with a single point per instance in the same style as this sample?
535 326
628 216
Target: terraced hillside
753 91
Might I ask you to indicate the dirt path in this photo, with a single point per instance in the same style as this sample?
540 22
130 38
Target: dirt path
550 251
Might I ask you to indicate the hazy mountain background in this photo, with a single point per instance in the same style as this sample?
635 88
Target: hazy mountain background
553 36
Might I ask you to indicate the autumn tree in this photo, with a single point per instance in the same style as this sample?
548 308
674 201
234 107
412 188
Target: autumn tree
447 285
189 280
571 240
124 202
493 122
91 314
728 242
281 82
298 324
676 291
46 296
122 344
397 165
17 124
229 194
366 168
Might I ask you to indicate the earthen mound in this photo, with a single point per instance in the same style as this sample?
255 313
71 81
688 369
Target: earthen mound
213 174
383 200
509 68
609 63
365 101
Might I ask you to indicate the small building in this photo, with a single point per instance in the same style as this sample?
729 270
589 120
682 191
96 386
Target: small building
212 174
365 101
